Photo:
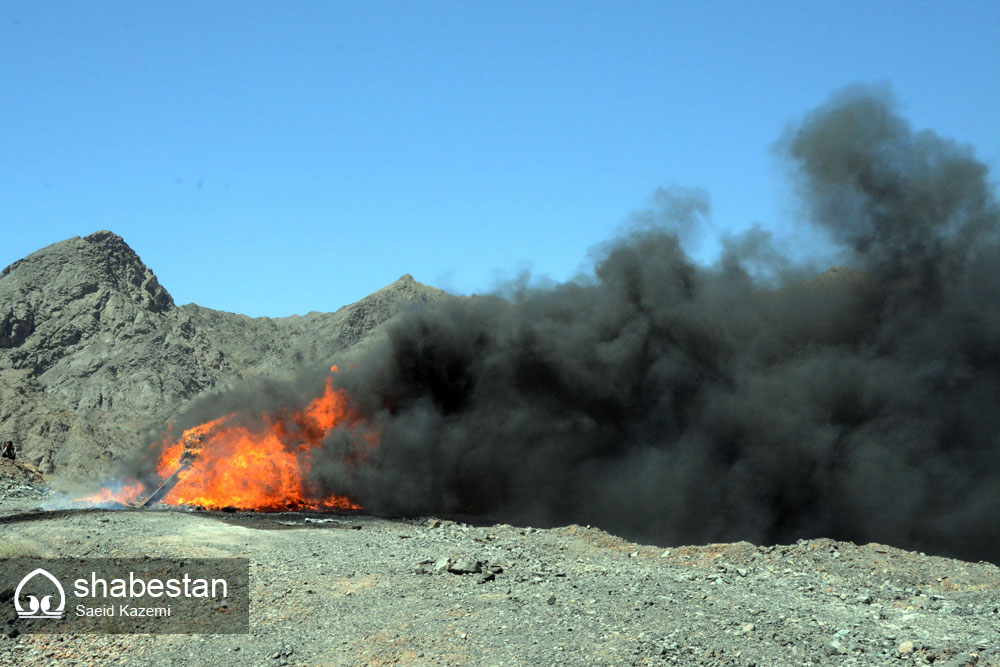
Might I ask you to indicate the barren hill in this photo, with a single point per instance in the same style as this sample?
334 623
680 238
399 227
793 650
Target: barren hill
94 352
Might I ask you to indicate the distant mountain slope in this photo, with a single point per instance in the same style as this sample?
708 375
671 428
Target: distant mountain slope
93 351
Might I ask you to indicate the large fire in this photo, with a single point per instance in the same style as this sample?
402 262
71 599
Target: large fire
259 464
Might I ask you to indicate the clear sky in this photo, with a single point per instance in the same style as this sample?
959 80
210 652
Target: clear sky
273 158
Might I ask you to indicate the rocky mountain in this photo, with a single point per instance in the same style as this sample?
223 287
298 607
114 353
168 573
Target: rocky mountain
94 353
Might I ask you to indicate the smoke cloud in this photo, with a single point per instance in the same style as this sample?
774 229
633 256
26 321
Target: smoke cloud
676 403
754 399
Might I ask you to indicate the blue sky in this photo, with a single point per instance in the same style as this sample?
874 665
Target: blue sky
275 158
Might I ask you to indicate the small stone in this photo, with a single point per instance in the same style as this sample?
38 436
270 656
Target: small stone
665 554
466 566
742 571
907 647
551 600
433 523
489 576
424 567
836 646
747 628
634 554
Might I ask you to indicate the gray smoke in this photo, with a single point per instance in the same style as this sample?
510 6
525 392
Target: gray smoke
676 403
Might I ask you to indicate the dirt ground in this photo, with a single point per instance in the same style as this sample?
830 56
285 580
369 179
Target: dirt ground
356 590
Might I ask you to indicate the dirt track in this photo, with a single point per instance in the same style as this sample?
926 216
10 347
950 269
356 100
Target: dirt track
363 590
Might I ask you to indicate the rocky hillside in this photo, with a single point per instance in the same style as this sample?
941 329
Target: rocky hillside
94 353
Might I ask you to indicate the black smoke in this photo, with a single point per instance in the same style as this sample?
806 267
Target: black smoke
676 403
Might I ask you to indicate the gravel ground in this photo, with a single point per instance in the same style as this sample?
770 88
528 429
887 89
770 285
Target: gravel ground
348 590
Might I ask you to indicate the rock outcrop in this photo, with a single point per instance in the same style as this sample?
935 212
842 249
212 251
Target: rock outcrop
94 353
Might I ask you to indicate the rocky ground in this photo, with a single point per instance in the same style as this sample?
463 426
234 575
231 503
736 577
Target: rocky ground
357 589
21 480
95 356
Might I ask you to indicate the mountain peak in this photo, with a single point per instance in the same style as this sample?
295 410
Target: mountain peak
109 241
99 262
103 235
71 290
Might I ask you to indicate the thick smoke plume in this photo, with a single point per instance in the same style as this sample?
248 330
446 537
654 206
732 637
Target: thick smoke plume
682 404
753 399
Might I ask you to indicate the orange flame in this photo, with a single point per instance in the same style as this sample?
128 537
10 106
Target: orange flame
127 493
260 464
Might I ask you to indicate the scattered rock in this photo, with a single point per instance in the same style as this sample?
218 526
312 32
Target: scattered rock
640 611
466 566
837 646
424 567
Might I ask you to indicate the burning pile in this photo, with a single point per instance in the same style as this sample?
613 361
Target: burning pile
262 464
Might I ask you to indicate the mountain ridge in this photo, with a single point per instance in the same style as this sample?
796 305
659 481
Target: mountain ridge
94 353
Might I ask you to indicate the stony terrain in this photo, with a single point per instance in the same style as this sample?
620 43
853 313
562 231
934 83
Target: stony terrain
20 480
95 357
347 590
